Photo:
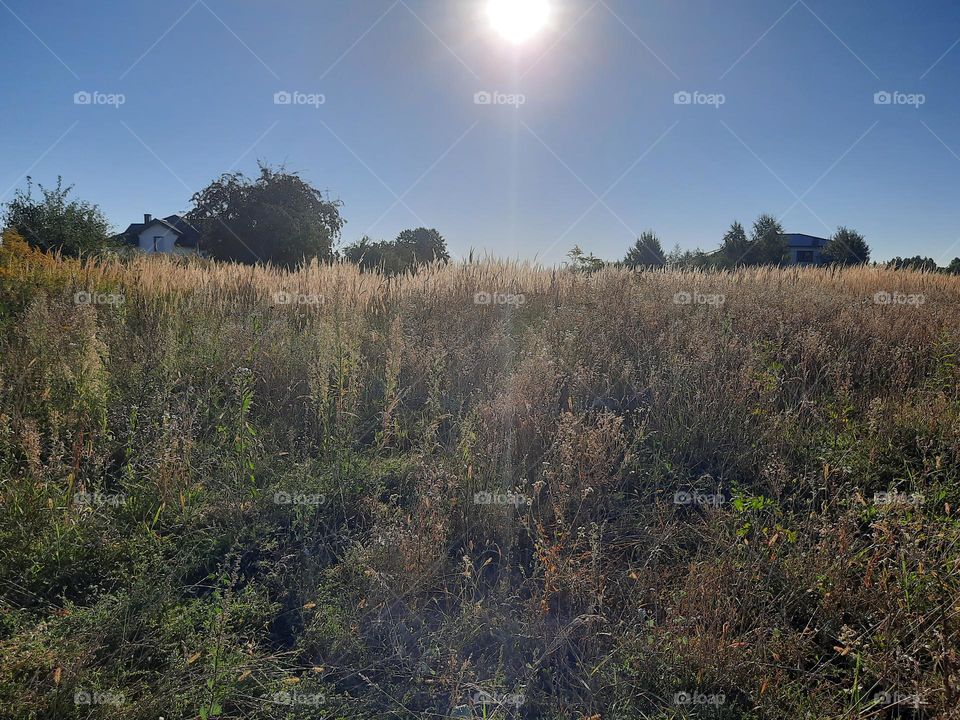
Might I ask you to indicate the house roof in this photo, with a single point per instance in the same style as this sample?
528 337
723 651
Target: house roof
187 234
799 240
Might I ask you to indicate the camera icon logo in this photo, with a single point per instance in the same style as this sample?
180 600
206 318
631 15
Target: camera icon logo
682 98
681 497
483 98
682 298
482 298
282 98
82 98
882 98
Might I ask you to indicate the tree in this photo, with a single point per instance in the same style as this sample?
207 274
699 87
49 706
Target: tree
53 222
768 246
645 252
735 247
582 262
954 267
361 251
846 247
916 262
422 246
276 218
688 259
373 255
410 249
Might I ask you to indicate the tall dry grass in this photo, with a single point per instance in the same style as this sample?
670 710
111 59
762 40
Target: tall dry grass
783 405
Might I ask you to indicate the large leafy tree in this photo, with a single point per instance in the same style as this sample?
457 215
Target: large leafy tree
954 267
768 246
422 246
52 221
847 247
277 217
646 252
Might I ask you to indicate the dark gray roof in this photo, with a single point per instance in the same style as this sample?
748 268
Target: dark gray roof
189 235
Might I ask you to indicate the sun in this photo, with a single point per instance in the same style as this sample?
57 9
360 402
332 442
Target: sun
518 20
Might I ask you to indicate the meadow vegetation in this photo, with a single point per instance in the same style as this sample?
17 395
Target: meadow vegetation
480 490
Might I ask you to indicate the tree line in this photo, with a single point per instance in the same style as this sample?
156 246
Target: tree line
276 217
279 217
765 245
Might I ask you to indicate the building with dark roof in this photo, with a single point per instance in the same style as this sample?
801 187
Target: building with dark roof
171 234
805 249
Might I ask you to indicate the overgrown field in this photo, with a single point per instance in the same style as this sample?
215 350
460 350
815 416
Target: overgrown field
240 493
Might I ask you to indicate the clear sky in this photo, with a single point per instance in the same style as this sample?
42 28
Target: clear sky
598 151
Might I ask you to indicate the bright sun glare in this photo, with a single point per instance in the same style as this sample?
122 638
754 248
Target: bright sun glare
518 20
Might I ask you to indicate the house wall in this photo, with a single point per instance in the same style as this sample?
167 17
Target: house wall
166 243
817 254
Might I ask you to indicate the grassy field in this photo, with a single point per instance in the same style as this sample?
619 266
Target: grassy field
487 490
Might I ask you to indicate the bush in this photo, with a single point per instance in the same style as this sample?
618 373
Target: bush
55 223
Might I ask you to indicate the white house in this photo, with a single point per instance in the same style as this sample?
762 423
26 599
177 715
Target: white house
171 234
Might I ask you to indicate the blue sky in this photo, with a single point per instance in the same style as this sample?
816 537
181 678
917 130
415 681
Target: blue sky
598 151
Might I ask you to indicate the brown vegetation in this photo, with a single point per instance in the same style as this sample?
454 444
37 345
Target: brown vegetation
727 537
